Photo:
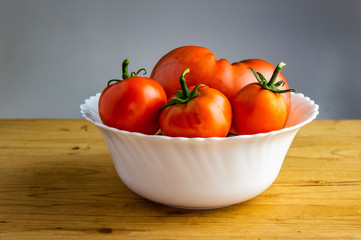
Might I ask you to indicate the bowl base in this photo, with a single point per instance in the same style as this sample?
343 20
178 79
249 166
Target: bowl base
198 208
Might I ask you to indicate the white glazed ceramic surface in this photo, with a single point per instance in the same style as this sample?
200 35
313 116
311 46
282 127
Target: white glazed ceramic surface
200 172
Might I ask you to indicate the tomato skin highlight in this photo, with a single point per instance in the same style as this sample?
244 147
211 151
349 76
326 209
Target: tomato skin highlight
257 110
207 115
132 104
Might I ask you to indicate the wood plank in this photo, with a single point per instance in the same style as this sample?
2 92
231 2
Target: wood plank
57 181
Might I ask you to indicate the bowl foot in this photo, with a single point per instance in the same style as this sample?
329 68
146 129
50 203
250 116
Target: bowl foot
198 208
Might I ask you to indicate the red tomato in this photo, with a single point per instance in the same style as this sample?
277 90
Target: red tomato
267 69
202 112
219 74
132 104
260 107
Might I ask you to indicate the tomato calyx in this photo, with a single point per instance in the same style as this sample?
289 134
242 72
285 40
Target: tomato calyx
184 95
271 85
125 72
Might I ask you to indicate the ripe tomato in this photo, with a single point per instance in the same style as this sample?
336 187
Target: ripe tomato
219 74
260 107
200 111
267 69
132 104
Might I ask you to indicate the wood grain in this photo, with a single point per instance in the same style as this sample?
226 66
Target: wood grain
57 181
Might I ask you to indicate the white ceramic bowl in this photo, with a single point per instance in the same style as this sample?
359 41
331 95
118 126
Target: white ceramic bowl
200 172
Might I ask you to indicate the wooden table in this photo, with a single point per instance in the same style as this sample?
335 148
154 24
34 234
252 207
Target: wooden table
57 181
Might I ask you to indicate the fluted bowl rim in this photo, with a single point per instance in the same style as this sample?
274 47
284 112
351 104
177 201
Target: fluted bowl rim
95 119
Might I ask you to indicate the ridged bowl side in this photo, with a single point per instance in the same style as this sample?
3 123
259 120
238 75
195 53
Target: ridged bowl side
201 172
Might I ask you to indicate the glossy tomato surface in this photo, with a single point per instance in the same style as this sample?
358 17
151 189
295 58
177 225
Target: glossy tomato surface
133 105
258 110
207 115
207 69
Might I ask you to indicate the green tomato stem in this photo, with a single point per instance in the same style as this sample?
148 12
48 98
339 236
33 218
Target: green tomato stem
276 72
271 85
184 95
113 80
183 84
125 72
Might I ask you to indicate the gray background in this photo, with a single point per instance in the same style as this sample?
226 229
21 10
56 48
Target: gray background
54 54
